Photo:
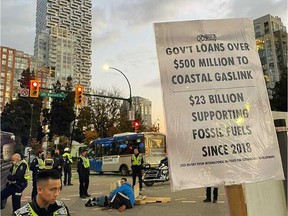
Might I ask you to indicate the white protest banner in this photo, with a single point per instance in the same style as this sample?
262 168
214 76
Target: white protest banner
220 128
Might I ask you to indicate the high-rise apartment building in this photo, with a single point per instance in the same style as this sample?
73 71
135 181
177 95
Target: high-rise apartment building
63 39
13 62
142 108
271 41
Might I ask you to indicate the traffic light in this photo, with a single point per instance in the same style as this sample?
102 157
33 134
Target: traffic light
34 88
136 124
79 89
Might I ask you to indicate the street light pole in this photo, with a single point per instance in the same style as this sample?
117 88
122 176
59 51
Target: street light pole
130 95
31 117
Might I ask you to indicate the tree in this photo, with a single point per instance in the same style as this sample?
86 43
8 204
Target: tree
154 128
16 116
106 117
26 76
279 99
142 125
125 123
62 113
90 136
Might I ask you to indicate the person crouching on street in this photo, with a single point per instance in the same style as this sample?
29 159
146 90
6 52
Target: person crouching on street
122 197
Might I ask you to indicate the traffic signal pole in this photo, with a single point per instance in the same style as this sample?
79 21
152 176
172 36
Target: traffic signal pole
95 95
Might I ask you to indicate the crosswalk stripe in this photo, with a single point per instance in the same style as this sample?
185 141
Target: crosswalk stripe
180 199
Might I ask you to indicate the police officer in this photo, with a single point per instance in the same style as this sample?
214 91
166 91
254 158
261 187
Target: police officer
45 203
48 162
58 162
18 178
137 162
83 169
67 166
36 165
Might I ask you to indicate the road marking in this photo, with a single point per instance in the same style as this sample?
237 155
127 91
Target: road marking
65 198
96 209
220 201
189 201
180 199
73 195
101 193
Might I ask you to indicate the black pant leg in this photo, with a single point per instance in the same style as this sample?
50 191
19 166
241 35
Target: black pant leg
86 185
34 189
208 193
16 197
69 174
139 174
81 184
134 174
65 174
215 193
6 192
119 200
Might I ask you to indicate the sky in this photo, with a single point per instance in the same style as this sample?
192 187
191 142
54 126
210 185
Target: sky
123 36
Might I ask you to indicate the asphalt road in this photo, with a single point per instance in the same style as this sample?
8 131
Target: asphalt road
184 203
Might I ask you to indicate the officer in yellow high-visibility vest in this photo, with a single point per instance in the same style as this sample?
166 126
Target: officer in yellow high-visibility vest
67 166
83 169
20 174
36 165
137 162
48 162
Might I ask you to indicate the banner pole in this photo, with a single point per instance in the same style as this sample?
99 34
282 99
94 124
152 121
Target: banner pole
236 200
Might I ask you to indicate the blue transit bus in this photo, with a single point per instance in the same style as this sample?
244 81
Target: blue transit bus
113 154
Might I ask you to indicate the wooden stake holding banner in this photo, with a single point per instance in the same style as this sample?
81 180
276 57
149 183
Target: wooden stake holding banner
236 200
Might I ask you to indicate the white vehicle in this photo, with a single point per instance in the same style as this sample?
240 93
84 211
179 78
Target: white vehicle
113 154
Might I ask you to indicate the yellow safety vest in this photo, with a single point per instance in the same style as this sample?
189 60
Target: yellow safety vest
41 164
136 160
27 210
49 163
68 156
86 162
27 171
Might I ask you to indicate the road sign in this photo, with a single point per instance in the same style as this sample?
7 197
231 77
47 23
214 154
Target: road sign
24 92
131 116
52 94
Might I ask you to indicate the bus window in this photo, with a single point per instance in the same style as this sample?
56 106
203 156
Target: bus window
122 149
156 143
91 153
113 149
107 148
98 150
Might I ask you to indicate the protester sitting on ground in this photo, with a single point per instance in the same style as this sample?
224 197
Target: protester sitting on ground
122 197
